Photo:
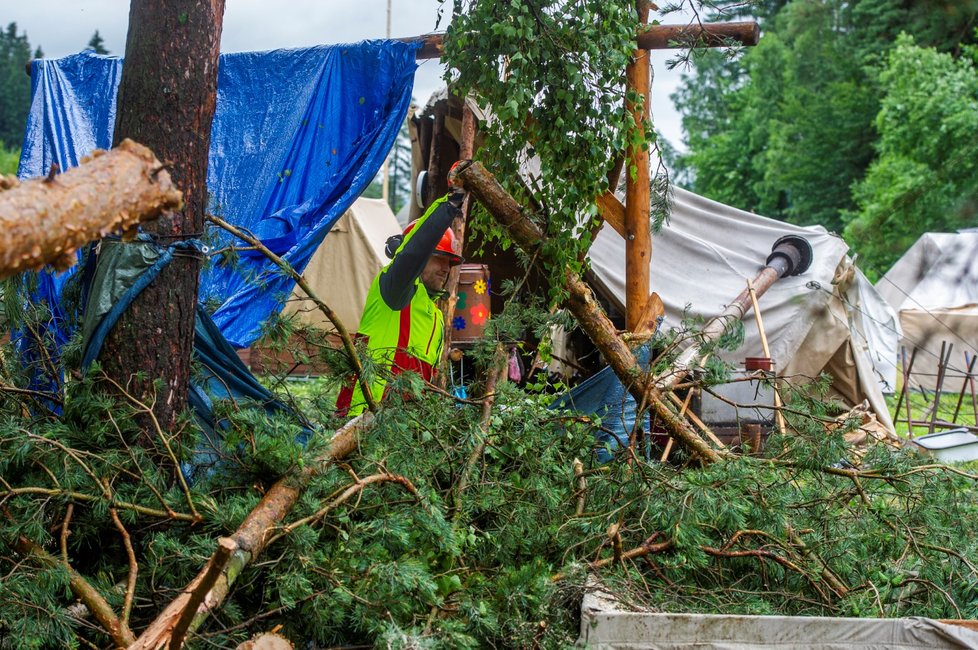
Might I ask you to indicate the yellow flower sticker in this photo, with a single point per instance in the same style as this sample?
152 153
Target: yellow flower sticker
479 286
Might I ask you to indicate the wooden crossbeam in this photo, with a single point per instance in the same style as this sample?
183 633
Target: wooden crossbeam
652 37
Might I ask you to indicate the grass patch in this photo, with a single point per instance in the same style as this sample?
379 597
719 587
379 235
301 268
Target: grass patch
9 160
922 406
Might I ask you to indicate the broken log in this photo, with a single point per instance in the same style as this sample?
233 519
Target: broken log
584 307
247 543
44 221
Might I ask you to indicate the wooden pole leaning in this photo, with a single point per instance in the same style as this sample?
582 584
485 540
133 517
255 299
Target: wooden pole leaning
582 304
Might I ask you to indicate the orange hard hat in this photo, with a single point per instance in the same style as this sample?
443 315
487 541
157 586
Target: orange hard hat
446 246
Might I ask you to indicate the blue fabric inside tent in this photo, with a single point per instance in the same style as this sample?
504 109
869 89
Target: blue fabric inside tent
297 136
604 396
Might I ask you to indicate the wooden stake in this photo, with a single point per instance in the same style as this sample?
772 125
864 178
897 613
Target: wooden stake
682 412
779 416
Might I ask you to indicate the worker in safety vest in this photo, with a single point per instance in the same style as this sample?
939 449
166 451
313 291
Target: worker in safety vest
401 324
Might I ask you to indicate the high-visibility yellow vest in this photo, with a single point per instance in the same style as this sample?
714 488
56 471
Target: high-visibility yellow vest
410 339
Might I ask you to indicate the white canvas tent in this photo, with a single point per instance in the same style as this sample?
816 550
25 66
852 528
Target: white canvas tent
829 319
703 259
934 289
341 270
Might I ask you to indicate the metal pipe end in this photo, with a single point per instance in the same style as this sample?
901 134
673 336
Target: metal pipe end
794 252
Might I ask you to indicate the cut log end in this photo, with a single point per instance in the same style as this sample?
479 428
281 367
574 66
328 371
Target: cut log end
43 221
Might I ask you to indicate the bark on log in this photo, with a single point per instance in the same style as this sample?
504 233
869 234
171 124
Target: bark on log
44 221
247 543
584 307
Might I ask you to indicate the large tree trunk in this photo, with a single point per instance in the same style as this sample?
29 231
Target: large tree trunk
166 100
44 221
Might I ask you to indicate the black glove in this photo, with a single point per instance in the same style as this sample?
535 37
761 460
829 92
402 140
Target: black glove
455 198
392 244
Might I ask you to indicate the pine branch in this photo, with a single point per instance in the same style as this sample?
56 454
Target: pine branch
331 315
89 498
97 605
251 538
497 375
581 303
148 411
133 565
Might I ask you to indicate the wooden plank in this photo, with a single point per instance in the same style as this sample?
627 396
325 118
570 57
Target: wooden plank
613 211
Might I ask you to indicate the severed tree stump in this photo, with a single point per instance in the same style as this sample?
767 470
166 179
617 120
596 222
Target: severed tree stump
44 221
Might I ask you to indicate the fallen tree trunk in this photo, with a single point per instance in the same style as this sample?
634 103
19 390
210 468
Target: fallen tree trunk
584 307
237 551
44 221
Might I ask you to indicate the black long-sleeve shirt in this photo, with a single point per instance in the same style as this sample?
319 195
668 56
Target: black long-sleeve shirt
397 280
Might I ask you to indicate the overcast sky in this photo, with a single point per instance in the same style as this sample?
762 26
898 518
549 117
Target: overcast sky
63 27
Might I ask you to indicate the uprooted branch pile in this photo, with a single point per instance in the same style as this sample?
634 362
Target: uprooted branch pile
453 523
388 546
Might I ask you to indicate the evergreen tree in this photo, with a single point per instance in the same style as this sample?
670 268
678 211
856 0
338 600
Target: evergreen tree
400 170
15 86
97 44
926 175
788 130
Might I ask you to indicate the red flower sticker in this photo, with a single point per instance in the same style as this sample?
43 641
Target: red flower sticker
479 314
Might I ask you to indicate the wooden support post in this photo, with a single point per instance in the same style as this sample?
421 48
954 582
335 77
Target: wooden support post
638 238
778 414
436 185
466 151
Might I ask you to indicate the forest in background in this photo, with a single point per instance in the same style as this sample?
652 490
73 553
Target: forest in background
859 116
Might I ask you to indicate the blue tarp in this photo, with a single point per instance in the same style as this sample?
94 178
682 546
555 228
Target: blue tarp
297 136
604 396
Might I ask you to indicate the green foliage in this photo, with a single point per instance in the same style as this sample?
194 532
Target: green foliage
442 532
15 85
553 73
9 160
925 178
791 128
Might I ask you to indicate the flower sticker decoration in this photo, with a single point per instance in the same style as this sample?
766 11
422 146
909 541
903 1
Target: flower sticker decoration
460 303
479 314
480 287
458 323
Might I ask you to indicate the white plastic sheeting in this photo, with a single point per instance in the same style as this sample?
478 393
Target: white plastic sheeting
702 259
934 288
607 625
